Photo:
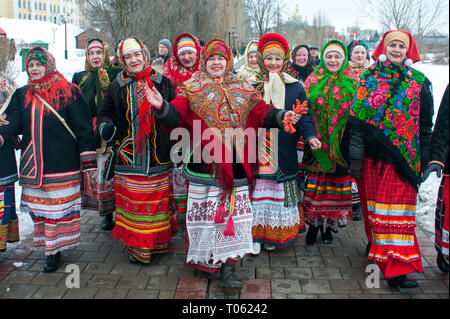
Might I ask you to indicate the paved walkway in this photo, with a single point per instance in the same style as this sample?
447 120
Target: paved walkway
332 271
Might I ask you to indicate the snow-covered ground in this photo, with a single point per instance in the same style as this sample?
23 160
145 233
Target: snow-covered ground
30 31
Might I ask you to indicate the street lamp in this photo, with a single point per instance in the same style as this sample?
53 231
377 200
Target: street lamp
63 20
229 36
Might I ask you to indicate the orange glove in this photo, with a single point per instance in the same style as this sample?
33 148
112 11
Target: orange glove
288 126
300 108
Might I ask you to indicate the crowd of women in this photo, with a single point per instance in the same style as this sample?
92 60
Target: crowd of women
359 149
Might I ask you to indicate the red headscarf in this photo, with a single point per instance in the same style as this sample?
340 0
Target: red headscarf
399 35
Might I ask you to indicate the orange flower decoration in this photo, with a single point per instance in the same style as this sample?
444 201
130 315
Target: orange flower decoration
409 129
362 93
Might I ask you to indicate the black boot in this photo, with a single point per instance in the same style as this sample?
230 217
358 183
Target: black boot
442 263
369 244
402 282
107 222
132 260
311 235
52 262
327 237
228 278
357 212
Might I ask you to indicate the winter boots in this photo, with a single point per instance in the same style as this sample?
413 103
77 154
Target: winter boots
357 212
442 263
228 278
52 262
402 282
311 235
107 222
327 237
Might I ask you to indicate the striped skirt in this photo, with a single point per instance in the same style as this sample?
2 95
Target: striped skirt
143 213
441 218
355 195
55 211
391 213
328 200
208 246
180 187
9 223
273 222
98 193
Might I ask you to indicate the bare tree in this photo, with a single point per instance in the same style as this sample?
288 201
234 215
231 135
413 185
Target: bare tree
263 15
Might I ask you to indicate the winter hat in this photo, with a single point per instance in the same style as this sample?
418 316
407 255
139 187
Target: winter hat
130 45
186 44
355 44
253 47
273 43
43 56
412 54
334 47
95 44
166 43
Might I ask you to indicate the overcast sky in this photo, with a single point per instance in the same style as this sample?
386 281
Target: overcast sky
340 13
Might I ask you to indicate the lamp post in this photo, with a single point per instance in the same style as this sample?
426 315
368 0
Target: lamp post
229 36
63 20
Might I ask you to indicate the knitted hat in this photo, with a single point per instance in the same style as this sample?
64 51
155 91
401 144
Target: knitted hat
253 47
412 54
130 45
186 44
273 43
334 47
95 44
166 43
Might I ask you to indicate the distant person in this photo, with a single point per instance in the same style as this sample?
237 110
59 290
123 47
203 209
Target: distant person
315 58
9 222
57 146
98 193
301 66
250 66
164 53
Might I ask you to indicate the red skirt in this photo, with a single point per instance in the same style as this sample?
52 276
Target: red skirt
390 211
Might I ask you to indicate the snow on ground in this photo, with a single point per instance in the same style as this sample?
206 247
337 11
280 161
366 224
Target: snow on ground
30 31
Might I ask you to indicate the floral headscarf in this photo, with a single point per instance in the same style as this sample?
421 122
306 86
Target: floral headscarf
330 97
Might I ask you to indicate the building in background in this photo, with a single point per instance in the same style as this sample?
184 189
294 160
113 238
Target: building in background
44 10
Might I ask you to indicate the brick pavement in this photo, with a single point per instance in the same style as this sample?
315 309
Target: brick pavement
334 271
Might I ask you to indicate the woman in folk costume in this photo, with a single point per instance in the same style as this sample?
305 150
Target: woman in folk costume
219 214
98 193
328 198
277 217
390 144
440 163
359 61
250 66
180 67
9 223
56 124
142 165
301 66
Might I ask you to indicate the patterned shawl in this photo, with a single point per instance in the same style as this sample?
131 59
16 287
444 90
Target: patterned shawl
330 97
388 99
95 82
7 88
174 70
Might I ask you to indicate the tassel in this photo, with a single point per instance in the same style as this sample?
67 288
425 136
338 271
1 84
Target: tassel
218 219
229 229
